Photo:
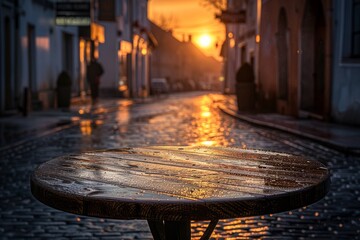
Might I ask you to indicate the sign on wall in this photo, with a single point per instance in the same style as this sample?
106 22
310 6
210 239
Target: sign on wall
73 13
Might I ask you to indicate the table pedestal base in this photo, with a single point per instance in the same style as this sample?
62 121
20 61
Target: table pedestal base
177 230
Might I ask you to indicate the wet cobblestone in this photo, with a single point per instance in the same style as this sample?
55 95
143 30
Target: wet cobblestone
184 119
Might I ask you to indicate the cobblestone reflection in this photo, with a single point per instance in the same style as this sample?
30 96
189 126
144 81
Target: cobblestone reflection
206 122
184 119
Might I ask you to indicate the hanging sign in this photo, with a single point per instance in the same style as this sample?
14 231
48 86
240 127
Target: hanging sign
232 16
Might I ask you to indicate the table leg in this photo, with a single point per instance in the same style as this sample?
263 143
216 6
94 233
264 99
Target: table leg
170 230
157 229
209 229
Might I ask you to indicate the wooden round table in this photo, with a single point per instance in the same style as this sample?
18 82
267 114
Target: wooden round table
169 186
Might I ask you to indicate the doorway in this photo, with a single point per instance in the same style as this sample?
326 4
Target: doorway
312 80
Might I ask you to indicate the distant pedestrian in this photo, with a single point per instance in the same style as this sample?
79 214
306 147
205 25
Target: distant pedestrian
94 72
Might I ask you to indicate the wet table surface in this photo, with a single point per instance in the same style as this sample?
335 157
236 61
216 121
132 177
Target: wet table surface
171 185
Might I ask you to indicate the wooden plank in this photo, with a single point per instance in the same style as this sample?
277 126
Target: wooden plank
179 183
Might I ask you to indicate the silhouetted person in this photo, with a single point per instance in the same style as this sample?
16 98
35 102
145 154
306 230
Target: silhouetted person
245 74
245 88
94 72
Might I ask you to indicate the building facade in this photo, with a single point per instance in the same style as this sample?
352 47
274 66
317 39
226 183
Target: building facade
305 55
345 93
126 54
33 53
35 47
295 57
184 66
309 58
10 85
242 24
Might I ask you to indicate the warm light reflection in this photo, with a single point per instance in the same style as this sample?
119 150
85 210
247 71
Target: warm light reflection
207 121
206 114
123 117
122 88
242 228
85 127
208 143
99 122
101 110
75 119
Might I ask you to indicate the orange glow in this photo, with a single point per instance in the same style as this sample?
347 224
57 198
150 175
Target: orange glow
88 51
122 88
204 41
81 50
257 39
97 33
85 127
232 43
96 50
144 51
75 119
43 43
99 122
188 17
206 114
208 143
207 119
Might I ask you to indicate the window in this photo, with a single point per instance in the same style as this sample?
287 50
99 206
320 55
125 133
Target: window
355 33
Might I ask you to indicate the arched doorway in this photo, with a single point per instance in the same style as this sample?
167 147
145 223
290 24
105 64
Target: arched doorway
282 50
312 59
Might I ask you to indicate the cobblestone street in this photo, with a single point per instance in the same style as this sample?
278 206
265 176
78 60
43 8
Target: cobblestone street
180 119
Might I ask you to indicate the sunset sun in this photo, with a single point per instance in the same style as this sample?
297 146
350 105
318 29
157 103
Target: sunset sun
204 41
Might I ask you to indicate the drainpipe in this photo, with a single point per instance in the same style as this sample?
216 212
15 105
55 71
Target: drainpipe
17 74
132 62
1 66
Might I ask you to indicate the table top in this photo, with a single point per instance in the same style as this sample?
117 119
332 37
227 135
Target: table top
179 183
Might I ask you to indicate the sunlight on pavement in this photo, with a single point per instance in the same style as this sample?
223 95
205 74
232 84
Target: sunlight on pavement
123 116
247 228
75 119
207 122
85 127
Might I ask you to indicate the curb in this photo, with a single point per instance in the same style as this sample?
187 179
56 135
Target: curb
65 124
256 122
42 132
